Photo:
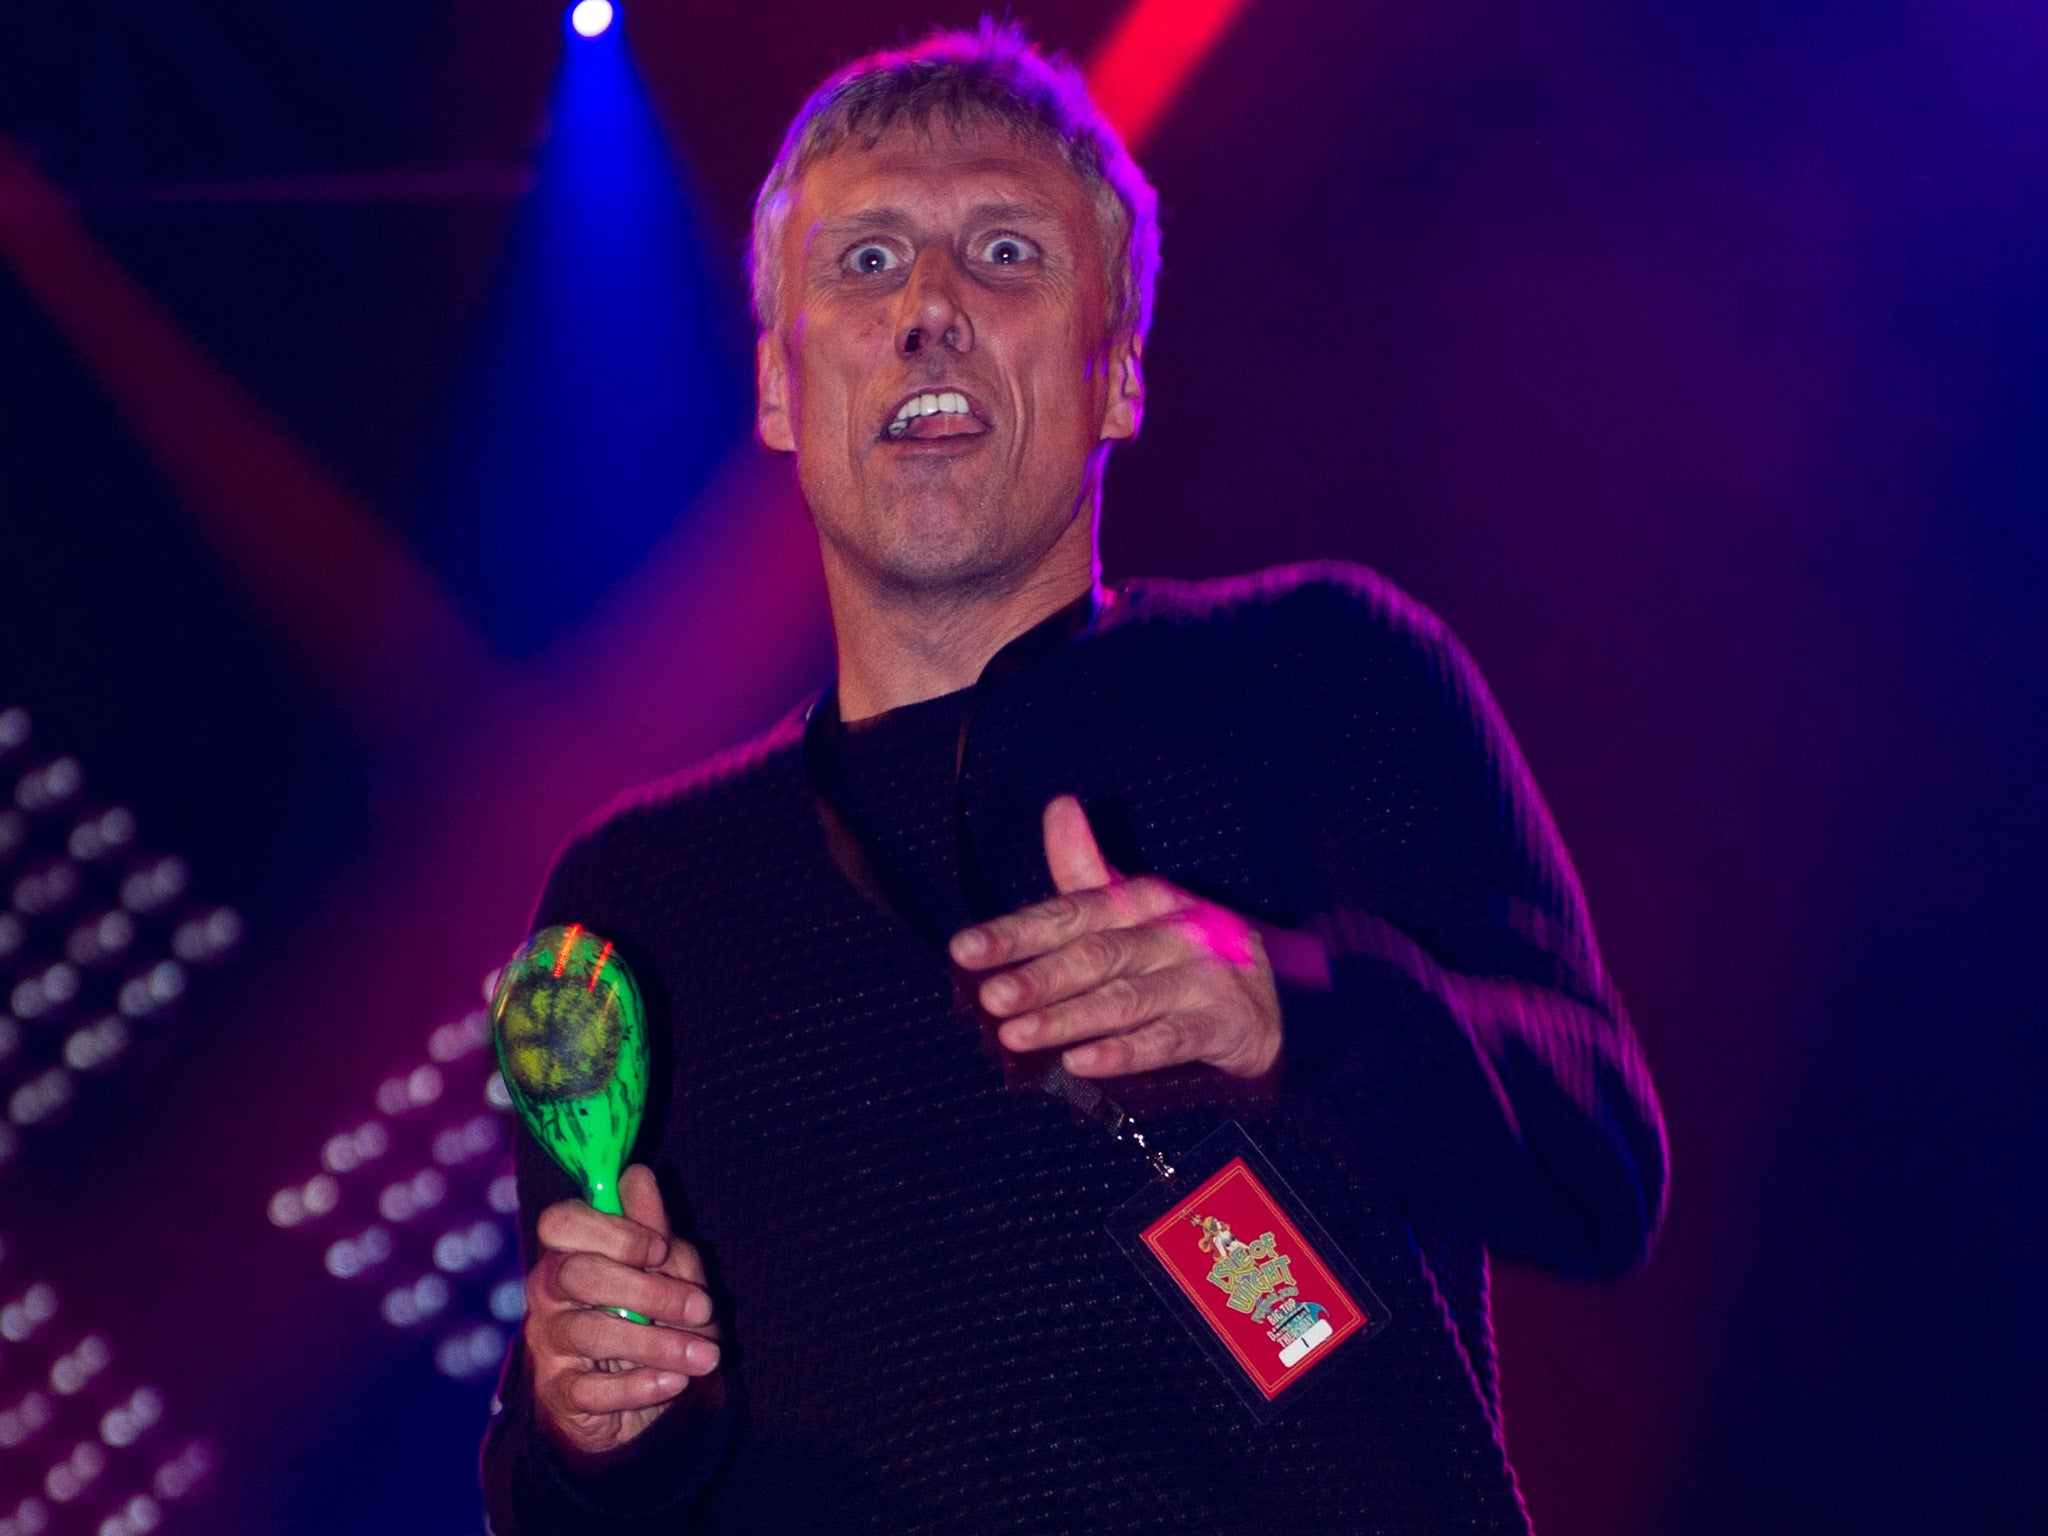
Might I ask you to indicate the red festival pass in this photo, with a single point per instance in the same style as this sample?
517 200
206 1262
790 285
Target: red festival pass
1254 1278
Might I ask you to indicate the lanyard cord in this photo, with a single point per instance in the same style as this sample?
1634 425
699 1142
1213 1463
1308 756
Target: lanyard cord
870 870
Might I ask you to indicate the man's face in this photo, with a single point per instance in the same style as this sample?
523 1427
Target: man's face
942 369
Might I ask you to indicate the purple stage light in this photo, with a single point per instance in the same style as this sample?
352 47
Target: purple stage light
591 18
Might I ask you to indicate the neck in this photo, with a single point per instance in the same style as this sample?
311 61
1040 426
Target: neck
898 647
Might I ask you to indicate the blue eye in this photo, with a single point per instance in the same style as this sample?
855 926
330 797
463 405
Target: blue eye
1007 251
871 258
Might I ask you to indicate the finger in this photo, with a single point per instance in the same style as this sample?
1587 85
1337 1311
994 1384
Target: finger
1040 929
641 1197
1169 1041
600 1392
586 1279
640 1194
584 1333
1119 1005
683 1263
1070 849
1084 963
574 1226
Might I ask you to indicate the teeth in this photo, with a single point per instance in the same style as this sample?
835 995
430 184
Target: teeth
929 404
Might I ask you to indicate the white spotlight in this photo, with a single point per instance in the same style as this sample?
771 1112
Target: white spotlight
591 18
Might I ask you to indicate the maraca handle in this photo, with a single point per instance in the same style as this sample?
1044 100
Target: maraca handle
604 1196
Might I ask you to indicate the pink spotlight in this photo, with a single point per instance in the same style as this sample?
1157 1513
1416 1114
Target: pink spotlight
590 18
1141 67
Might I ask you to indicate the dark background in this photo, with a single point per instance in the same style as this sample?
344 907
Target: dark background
1691 360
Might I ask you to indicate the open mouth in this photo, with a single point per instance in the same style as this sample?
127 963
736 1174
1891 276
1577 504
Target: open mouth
933 414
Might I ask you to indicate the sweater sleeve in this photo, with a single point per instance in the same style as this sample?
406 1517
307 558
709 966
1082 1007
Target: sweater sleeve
1469 1032
655 1483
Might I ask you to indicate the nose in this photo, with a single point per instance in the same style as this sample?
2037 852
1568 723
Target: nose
932 307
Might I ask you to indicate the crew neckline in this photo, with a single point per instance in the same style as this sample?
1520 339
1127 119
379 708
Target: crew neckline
906 721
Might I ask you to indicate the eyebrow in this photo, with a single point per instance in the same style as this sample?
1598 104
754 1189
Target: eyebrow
1011 213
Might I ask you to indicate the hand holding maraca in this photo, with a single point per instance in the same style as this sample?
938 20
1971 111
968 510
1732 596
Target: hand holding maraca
600 1380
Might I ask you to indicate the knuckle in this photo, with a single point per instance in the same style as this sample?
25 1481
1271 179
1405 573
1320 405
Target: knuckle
1148 1051
560 1344
1030 981
1095 952
669 1298
598 1336
1074 1019
588 1391
667 1350
1116 1054
585 1277
1206 980
1122 1000
1070 1020
1168 1038
574 1333
1057 1025
543 1293
1152 893
557 1225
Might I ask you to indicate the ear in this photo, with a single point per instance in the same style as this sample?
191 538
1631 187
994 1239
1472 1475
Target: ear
1125 412
771 393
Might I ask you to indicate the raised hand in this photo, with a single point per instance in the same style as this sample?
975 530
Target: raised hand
1125 975
600 1379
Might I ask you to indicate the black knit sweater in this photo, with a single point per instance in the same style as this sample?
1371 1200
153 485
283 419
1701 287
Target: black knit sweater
927 1327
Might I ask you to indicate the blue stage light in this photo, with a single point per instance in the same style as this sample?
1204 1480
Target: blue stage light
610 375
591 18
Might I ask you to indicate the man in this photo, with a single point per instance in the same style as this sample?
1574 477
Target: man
1258 851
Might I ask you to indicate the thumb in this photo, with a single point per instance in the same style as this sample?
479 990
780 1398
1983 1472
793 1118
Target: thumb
641 1198
1070 851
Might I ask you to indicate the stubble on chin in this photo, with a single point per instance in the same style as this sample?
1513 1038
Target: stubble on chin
926 544
954 539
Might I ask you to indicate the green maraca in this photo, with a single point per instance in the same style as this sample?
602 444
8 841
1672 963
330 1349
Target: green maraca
572 1044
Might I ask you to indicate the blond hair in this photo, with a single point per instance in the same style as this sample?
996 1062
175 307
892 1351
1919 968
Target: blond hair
993 73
